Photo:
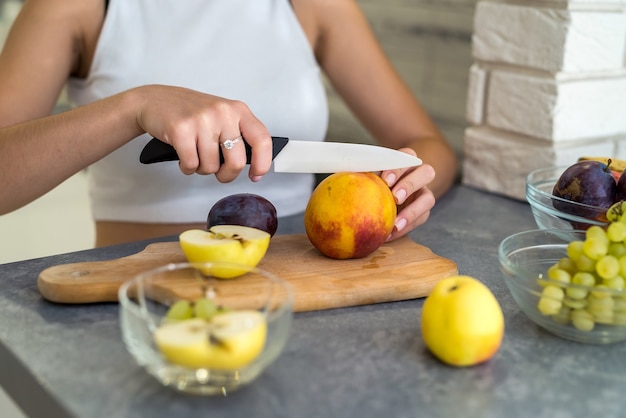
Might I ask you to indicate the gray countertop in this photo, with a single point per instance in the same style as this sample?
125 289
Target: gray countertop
367 361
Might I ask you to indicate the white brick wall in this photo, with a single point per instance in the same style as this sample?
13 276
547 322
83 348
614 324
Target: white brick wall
549 39
557 110
548 85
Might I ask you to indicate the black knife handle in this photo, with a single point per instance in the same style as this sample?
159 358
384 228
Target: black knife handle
157 151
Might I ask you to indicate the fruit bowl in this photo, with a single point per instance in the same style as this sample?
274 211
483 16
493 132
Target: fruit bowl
234 350
569 215
525 258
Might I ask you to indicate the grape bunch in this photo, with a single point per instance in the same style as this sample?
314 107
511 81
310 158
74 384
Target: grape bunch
585 287
204 308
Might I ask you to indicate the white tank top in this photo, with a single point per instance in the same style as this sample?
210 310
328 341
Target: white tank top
249 50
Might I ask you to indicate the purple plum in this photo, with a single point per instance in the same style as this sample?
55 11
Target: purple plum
244 209
587 182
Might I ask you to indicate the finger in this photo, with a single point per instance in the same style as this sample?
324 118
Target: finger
414 213
260 141
412 181
187 152
234 152
207 148
397 233
392 176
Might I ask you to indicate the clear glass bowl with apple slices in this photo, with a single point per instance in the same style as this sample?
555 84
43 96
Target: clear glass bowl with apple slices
589 314
202 334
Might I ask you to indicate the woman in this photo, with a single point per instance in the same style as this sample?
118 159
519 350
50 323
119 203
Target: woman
196 74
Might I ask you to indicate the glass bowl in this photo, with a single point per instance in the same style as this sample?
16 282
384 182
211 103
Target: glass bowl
524 261
146 299
551 212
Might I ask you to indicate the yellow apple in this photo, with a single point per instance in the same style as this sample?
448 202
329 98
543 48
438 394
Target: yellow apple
225 243
462 322
350 215
228 341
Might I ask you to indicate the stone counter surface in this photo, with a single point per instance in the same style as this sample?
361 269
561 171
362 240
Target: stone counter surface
367 361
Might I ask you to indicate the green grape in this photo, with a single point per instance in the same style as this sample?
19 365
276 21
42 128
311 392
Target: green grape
553 292
582 320
575 303
601 316
601 309
585 263
619 304
205 308
606 318
614 283
617 249
600 305
584 279
607 267
576 293
558 274
549 306
595 248
600 292
616 212
575 249
569 266
596 232
616 232
180 310
622 265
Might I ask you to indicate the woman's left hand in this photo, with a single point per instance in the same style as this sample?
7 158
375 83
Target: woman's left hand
413 197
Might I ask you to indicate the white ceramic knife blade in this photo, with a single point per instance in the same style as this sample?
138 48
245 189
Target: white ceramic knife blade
333 157
291 156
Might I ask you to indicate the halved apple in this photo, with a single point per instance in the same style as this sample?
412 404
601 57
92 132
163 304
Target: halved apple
228 341
225 243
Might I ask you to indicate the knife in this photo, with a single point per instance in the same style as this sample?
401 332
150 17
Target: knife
291 156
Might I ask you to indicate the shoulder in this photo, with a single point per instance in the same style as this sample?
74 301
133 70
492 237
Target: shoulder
323 19
68 11
338 31
75 23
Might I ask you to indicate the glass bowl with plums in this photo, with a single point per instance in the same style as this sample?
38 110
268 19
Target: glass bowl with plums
572 207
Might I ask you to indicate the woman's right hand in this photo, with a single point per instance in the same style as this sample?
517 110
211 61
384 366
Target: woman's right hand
196 124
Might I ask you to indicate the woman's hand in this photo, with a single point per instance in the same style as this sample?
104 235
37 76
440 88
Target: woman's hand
413 197
198 124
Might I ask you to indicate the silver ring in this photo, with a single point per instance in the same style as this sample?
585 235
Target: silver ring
230 143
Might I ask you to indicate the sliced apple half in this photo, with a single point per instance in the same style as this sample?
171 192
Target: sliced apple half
226 243
229 341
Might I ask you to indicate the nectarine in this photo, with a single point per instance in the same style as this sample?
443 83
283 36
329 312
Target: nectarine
350 215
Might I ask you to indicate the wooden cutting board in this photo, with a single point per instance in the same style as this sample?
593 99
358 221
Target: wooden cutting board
399 270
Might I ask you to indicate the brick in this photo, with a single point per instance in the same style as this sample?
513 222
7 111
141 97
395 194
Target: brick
477 87
549 39
557 109
499 162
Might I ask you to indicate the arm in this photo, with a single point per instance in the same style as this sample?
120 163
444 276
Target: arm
52 40
357 67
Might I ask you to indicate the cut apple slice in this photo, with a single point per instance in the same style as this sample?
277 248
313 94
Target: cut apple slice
225 243
228 342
